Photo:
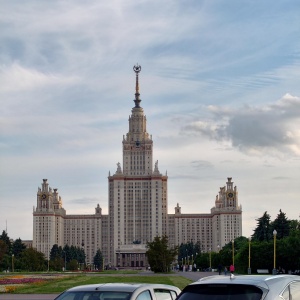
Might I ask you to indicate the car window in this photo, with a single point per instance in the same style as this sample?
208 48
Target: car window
173 294
76 296
162 294
221 292
286 293
295 290
94 295
67 296
144 296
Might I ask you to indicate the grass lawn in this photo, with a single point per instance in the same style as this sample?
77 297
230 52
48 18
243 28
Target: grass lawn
61 283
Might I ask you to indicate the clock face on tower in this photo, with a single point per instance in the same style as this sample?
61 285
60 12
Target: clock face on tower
230 195
44 196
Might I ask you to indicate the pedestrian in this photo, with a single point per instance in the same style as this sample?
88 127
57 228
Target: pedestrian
231 269
220 269
225 271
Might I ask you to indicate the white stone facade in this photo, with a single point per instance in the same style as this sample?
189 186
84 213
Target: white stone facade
137 209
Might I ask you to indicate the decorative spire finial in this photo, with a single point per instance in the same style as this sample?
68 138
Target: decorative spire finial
137 69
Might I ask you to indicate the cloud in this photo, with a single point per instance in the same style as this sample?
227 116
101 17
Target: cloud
16 78
271 129
83 200
201 164
208 68
182 176
281 178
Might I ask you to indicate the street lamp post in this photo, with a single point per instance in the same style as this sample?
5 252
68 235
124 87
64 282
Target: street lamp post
65 261
12 262
209 259
249 265
274 269
233 252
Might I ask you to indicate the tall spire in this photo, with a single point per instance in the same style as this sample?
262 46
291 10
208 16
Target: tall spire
137 69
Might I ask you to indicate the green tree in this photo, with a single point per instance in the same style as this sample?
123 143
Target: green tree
18 247
282 225
240 242
32 260
203 260
56 264
262 232
3 250
81 255
73 265
56 261
262 255
159 255
242 257
66 253
98 260
62 257
73 252
294 226
4 237
55 252
288 252
188 252
225 255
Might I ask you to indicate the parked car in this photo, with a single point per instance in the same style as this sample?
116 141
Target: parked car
249 287
121 291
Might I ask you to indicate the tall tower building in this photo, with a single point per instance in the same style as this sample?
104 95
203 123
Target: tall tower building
137 194
48 219
226 215
137 209
51 225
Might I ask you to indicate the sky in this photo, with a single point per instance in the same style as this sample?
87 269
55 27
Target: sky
219 85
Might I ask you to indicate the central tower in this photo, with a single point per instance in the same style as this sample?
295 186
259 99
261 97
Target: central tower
137 145
137 194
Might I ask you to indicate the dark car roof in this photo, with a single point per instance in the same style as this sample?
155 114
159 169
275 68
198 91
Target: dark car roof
118 287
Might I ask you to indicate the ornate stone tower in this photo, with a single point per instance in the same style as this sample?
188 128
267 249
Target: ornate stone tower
48 219
226 216
137 194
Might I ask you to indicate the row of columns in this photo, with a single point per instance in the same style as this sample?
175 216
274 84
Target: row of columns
132 260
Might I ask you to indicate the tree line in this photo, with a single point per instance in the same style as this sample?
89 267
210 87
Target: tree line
15 256
260 247
162 258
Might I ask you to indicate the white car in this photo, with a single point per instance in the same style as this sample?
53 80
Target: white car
121 291
248 287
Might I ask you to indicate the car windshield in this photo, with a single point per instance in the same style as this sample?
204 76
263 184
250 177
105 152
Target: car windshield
94 295
221 292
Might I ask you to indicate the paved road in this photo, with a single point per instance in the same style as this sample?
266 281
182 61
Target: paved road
191 275
27 296
196 275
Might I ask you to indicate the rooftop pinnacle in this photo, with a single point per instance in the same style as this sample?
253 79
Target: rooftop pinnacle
137 69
